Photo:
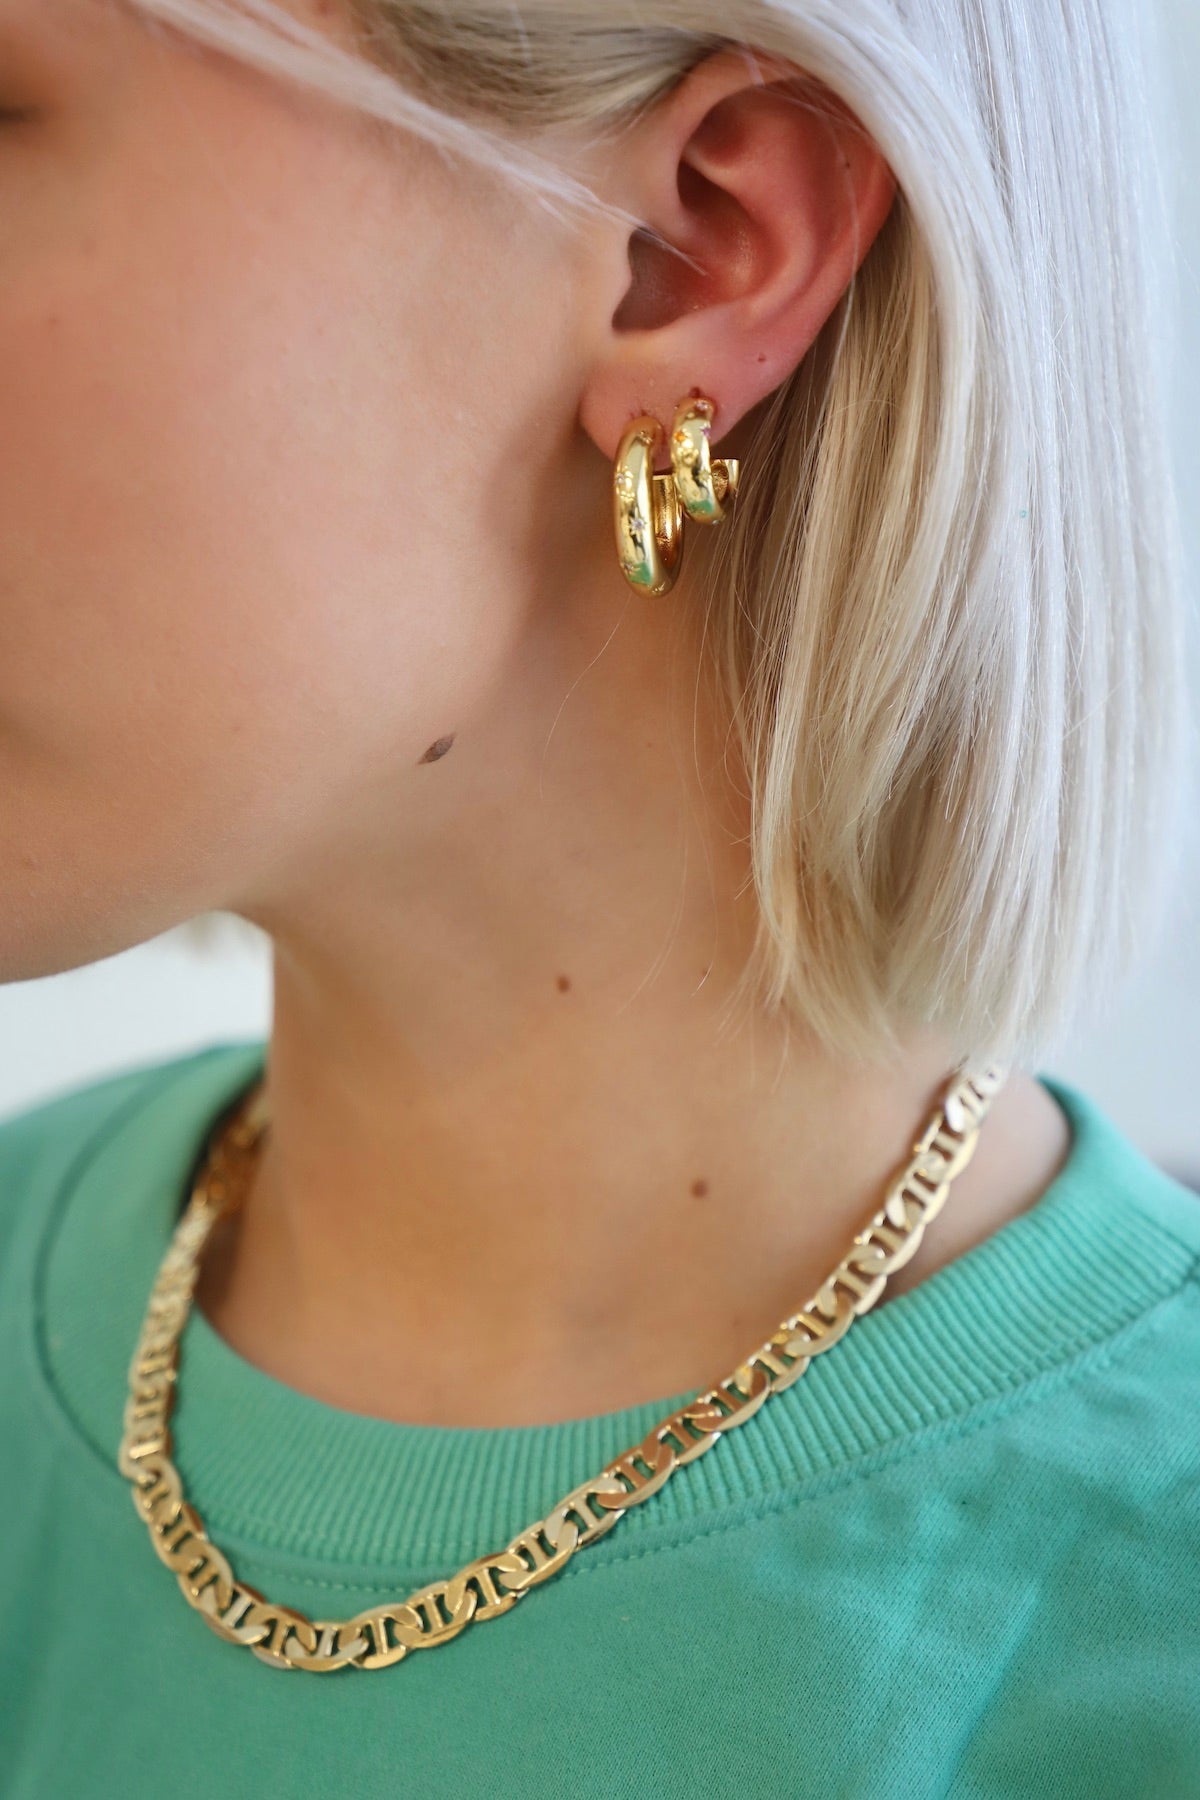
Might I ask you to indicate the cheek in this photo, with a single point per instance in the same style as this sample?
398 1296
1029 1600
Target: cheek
251 554
223 570
195 648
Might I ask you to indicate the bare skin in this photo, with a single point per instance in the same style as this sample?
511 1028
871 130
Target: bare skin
310 613
433 1309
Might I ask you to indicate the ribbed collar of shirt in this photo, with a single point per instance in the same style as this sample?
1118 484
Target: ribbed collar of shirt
278 1472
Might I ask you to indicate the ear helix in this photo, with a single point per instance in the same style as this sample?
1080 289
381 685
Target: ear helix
648 509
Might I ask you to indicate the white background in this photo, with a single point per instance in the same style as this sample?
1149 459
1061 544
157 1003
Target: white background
174 994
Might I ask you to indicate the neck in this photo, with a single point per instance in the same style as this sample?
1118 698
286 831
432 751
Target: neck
528 1161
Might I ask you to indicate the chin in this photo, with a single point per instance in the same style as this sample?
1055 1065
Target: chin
44 935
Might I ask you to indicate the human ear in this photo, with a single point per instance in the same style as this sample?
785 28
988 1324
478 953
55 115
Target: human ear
765 180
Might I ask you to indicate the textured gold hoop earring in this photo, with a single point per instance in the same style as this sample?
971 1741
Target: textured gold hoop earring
647 515
705 487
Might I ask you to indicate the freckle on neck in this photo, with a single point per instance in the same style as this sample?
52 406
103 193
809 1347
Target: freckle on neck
438 748
564 983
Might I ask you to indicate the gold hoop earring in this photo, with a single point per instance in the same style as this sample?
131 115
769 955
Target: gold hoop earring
647 515
649 509
705 487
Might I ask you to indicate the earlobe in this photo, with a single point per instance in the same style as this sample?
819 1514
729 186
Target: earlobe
774 192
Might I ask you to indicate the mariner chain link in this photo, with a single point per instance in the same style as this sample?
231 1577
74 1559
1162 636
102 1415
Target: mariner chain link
483 1589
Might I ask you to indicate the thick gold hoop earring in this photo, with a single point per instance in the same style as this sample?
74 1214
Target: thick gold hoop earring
649 509
705 487
647 515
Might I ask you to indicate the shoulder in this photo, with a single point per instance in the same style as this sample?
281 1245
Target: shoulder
1120 1175
43 1145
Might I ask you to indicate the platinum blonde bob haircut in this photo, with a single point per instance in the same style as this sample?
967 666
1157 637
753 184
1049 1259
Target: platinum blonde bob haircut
948 608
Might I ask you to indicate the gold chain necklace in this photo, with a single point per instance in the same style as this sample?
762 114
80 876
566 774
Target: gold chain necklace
490 1585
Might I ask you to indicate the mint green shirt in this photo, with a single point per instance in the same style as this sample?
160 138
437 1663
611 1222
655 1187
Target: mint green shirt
960 1556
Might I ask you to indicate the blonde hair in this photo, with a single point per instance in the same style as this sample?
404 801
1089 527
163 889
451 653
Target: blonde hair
948 610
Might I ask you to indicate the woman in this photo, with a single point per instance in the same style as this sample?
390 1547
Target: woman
672 883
